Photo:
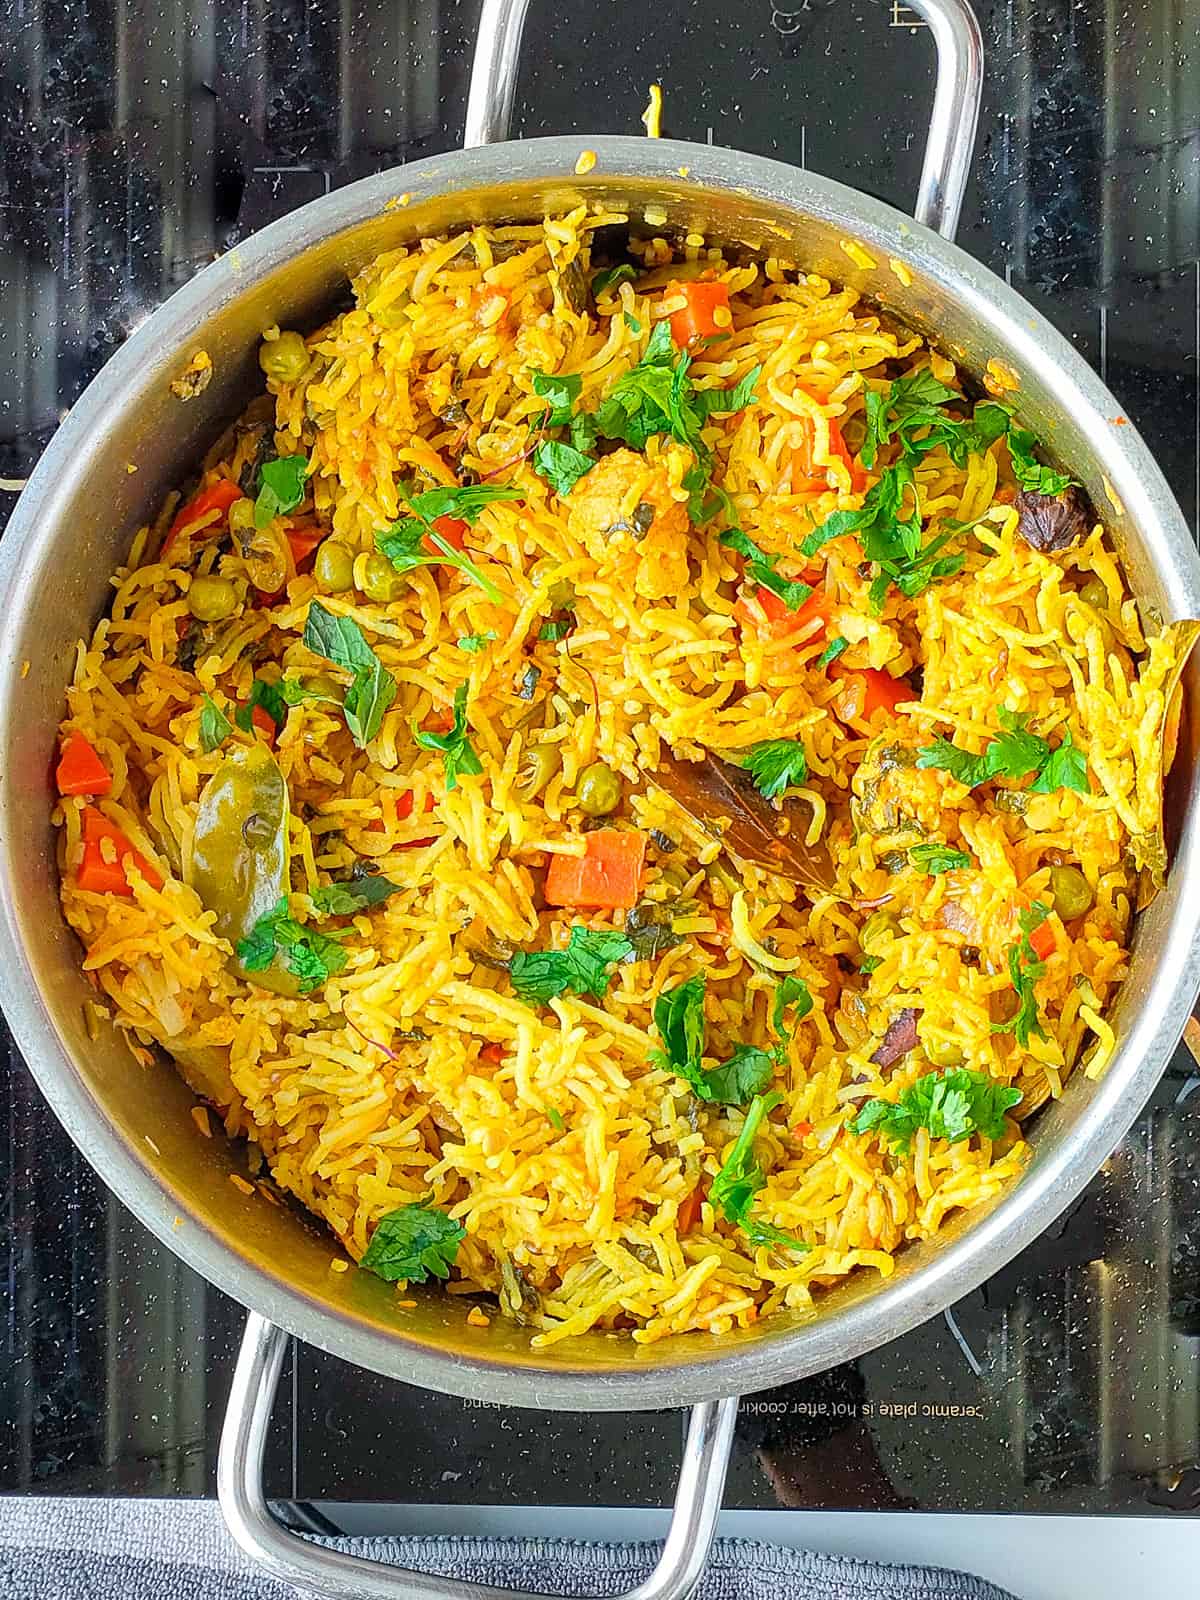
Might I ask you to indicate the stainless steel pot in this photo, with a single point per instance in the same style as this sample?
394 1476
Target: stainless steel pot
72 528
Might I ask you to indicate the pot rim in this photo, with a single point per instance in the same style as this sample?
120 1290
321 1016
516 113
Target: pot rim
1027 1207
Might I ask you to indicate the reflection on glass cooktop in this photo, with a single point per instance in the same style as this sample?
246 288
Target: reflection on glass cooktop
135 143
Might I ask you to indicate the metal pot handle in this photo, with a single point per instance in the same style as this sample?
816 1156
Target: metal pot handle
295 1560
952 120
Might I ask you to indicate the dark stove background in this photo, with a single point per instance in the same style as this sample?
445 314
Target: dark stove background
138 138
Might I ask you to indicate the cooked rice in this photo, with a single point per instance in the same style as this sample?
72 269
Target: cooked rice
356 1119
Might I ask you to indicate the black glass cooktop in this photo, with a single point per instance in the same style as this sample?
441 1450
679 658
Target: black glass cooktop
137 140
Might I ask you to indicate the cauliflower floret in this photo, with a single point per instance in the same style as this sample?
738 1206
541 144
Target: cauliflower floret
626 515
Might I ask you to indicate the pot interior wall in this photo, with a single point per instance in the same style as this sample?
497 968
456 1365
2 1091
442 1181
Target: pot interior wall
134 1121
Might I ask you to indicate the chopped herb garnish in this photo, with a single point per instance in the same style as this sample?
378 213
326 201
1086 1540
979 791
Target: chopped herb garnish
561 389
415 542
950 1105
631 322
1029 472
412 1243
585 966
789 993
649 927
457 752
554 1118
561 465
356 893
1025 968
832 651
215 726
311 956
1014 753
372 690
741 1177
938 858
280 488
679 1018
760 569
775 765
609 277
473 643
868 965
267 695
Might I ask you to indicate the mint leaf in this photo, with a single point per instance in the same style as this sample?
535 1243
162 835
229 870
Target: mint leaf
463 501
457 752
585 966
308 954
775 765
415 542
215 726
342 641
270 698
412 1243
280 488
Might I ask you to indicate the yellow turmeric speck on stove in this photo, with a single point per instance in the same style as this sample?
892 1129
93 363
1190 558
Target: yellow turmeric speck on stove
652 116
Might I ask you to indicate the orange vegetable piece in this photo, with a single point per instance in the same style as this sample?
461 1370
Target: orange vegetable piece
802 1129
97 873
217 497
493 1054
688 1214
303 539
262 719
1042 940
452 529
608 875
779 621
880 690
695 320
858 477
80 770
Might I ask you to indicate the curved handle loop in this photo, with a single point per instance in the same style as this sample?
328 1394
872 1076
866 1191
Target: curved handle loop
952 120
333 1573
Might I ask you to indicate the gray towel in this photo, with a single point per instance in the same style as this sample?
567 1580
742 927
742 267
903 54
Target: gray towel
54 1549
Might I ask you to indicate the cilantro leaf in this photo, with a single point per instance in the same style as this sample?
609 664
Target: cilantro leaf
415 542
1024 970
561 389
413 1242
912 402
832 651
609 277
741 1177
1014 753
790 991
341 640
952 1105
585 966
308 954
747 1072
938 858
1064 768
473 643
679 1018
270 698
760 568
464 501
353 894
561 465
721 402
280 488
457 752
215 726
1029 472
775 765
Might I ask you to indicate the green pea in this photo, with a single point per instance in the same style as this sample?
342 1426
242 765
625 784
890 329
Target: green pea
1072 892
212 599
599 790
334 567
1095 594
284 359
380 580
879 926
539 763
